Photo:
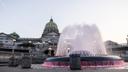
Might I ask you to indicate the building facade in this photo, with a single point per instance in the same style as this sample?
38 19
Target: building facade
47 42
6 40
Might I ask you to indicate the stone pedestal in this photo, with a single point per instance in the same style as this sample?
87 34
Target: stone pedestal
13 62
26 62
75 63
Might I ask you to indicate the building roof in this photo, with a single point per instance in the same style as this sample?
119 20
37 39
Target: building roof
51 26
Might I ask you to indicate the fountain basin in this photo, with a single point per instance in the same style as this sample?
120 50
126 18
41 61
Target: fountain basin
87 61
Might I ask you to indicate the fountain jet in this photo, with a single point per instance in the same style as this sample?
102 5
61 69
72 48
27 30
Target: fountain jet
86 41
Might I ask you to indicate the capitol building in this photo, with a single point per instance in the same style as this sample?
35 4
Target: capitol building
47 41
46 45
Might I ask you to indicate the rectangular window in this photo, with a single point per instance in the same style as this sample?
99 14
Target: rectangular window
1 38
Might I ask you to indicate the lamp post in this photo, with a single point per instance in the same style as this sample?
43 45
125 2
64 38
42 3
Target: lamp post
12 60
50 51
13 47
30 50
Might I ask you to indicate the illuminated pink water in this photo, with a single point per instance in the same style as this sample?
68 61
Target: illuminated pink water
85 64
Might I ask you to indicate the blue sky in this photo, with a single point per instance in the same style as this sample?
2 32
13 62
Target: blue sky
28 17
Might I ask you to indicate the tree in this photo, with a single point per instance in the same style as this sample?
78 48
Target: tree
15 35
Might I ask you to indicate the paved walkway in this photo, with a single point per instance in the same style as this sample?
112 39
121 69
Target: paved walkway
38 68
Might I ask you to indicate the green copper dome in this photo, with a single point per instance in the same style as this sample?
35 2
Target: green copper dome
51 27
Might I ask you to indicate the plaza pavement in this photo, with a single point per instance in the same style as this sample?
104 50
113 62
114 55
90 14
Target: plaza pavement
38 68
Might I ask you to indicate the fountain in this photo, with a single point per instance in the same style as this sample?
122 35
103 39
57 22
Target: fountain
86 41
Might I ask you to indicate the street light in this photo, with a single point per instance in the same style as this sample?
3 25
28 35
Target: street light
12 60
13 46
50 51
30 50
